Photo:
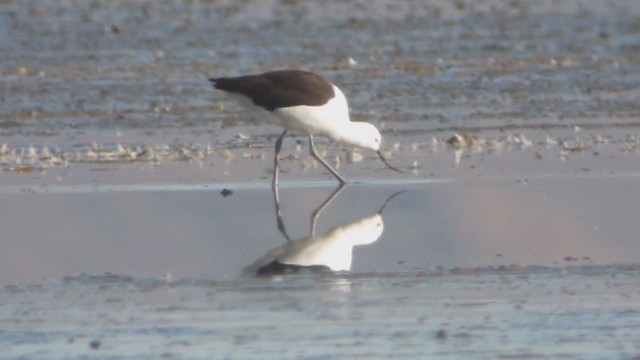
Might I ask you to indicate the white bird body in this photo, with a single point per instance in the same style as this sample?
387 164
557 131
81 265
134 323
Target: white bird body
327 120
334 249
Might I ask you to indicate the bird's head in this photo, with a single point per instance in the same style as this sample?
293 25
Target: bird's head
367 136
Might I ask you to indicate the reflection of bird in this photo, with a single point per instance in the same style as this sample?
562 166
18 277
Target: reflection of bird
332 250
306 103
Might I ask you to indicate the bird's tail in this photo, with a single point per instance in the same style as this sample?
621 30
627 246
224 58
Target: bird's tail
215 82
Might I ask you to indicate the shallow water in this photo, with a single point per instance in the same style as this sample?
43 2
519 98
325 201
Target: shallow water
536 265
193 231
514 235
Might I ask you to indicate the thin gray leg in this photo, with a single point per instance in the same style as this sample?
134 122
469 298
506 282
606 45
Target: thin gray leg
316 213
276 159
315 155
279 221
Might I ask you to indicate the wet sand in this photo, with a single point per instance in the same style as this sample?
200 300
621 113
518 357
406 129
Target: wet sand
136 210
577 312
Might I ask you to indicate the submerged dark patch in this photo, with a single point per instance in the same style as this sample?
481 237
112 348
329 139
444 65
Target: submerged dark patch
277 268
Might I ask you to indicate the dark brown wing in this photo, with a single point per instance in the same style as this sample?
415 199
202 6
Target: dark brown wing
278 89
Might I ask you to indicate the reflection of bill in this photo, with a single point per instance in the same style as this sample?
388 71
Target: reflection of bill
331 251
